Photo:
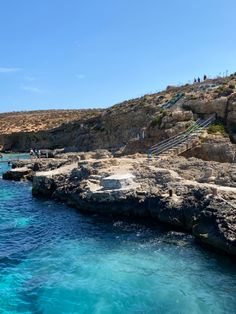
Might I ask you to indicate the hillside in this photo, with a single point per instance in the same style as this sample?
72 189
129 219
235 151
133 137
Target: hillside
121 127
33 121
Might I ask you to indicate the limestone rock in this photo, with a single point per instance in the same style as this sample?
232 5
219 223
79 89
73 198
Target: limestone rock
216 226
206 108
17 174
214 148
118 181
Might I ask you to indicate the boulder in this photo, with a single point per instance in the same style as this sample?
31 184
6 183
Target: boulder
206 107
118 181
165 176
18 174
215 148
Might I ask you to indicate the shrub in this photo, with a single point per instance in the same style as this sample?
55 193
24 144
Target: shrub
163 112
187 107
231 86
217 127
224 91
158 119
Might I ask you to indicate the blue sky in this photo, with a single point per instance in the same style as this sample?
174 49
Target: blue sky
95 53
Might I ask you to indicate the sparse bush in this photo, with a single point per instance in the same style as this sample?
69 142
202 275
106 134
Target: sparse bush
224 91
217 127
231 86
192 97
163 112
187 107
158 119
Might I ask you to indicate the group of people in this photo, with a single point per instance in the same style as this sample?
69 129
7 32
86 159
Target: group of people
198 80
35 153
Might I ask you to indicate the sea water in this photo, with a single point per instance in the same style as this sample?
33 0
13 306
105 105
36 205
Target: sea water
55 260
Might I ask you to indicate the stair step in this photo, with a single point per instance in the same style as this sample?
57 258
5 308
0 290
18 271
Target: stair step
184 141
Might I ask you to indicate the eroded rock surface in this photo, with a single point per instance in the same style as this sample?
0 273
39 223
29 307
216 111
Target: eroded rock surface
214 148
18 174
192 194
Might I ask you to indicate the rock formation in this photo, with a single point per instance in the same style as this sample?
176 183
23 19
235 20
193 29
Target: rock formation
129 127
191 194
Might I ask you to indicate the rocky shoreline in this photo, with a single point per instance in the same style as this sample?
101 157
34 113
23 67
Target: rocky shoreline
191 194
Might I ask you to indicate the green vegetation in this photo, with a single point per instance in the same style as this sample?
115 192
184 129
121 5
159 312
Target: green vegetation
193 97
158 119
217 127
231 86
225 90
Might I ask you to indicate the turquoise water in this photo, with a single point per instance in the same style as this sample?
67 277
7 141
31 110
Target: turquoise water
55 260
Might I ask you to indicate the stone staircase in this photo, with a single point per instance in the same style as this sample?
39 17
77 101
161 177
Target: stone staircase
182 142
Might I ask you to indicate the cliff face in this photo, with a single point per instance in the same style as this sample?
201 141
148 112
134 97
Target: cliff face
129 127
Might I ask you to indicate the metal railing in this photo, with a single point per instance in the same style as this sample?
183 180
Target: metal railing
160 144
182 138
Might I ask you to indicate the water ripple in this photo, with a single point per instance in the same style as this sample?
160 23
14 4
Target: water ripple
54 260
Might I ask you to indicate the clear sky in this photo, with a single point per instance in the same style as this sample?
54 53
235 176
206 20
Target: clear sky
95 53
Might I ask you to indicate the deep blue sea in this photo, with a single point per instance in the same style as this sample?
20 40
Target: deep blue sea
55 260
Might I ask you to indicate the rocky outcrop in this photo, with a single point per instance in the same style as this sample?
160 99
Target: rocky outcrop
216 226
205 108
175 192
26 169
18 174
45 182
214 148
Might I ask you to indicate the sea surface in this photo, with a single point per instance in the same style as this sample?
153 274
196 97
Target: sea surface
55 260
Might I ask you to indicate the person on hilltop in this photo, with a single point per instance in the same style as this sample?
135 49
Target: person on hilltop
204 77
199 80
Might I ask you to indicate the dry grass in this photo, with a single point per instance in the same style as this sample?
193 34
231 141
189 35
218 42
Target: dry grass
29 121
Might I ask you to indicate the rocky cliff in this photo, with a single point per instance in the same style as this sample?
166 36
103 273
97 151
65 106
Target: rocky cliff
131 126
191 194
